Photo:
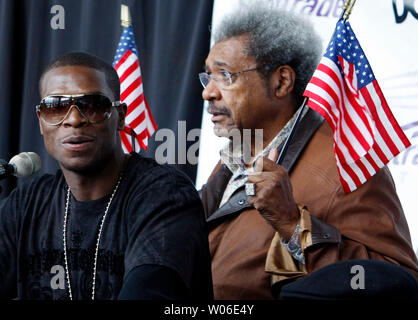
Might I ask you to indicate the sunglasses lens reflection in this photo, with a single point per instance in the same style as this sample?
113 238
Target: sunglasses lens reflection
95 108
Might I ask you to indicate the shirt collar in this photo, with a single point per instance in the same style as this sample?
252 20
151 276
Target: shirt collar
232 155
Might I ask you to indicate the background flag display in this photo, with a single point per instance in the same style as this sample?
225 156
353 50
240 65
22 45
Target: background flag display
138 117
344 91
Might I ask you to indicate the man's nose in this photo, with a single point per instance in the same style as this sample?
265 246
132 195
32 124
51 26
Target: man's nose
75 118
211 92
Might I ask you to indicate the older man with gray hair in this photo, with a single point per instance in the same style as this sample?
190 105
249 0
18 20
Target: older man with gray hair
294 218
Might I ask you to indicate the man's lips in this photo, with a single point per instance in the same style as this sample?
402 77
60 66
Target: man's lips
216 117
77 143
218 113
77 139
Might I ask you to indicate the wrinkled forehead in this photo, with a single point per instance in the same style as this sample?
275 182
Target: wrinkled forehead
231 53
74 80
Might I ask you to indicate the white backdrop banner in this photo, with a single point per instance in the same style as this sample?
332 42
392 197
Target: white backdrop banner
388 32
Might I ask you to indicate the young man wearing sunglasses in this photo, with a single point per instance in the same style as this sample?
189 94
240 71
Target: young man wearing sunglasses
107 225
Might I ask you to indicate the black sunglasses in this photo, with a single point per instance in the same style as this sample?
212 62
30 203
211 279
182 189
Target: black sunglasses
95 108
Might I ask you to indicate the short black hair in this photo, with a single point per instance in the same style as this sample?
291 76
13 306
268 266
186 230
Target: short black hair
90 61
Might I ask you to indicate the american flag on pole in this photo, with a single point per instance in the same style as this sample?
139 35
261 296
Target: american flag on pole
138 117
343 89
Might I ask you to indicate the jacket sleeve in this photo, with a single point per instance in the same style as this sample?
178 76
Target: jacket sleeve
368 223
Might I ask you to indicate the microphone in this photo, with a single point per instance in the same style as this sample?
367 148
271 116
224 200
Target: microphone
24 164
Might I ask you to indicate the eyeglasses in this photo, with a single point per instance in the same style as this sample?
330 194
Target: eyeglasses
223 78
95 108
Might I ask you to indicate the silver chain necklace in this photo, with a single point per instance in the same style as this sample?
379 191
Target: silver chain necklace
67 271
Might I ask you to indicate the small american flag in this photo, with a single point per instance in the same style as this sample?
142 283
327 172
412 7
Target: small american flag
344 91
138 117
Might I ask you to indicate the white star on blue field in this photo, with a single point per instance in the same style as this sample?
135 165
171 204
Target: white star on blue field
345 44
127 42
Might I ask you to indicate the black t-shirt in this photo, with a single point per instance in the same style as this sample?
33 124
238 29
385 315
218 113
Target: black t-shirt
155 218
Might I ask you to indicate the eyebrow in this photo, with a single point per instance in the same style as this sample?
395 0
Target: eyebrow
220 64
216 64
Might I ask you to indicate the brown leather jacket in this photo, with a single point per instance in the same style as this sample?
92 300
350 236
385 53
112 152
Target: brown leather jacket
366 224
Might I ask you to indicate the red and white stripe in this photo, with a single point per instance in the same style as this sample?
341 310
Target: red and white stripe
138 117
366 134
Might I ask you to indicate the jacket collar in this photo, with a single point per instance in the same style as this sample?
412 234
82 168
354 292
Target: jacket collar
212 192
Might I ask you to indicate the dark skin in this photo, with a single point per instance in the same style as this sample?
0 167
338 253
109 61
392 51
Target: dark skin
248 103
92 163
273 195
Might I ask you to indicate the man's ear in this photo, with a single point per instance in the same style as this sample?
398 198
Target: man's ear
39 119
122 109
282 81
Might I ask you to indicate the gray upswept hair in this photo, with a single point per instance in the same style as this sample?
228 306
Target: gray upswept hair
276 38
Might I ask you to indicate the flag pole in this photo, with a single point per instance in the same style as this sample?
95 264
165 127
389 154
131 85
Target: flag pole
126 21
125 16
133 138
347 8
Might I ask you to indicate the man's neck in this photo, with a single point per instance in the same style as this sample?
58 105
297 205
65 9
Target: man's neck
272 128
96 184
258 144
